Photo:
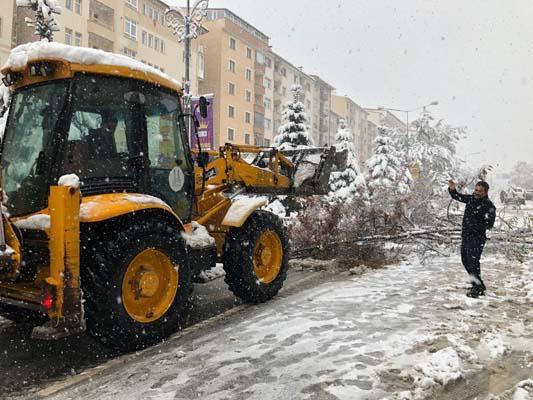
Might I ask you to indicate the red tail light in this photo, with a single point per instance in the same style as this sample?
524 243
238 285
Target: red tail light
48 297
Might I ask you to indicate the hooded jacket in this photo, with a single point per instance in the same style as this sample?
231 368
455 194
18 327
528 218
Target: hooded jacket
478 217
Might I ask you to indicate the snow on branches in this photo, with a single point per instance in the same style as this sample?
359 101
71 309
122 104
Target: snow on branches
45 23
347 184
4 108
385 169
293 130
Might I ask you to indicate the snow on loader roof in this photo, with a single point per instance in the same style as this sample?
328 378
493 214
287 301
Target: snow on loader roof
27 53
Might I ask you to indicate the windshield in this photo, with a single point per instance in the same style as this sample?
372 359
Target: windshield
28 144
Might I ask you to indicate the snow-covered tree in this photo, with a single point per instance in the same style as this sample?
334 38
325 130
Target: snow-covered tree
293 129
385 169
45 23
432 147
347 184
4 108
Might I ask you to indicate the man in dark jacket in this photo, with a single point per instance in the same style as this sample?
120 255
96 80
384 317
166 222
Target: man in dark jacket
479 216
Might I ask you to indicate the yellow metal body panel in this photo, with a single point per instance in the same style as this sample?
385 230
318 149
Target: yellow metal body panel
105 206
13 242
64 246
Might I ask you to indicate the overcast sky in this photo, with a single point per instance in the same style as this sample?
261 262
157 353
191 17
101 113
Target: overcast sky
473 56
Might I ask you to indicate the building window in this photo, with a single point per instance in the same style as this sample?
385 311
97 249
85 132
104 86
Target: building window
77 6
68 4
232 66
248 118
268 62
248 96
266 142
144 37
231 111
163 47
268 123
248 74
132 3
246 138
231 88
156 43
200 66
249 53
258 139
130 28
283 72
267 83
267 103
131 53
77 39
150 40
68 36
231 133
232 43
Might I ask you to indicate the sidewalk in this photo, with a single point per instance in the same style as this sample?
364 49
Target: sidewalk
404 332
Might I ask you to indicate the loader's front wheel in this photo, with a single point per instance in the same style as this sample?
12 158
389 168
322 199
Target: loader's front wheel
256 258
137 287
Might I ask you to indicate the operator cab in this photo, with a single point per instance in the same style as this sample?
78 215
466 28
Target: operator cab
117 134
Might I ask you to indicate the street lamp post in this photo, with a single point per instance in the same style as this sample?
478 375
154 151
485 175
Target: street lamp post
433 103
186 31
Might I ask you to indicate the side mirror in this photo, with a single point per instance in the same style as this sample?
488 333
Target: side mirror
202 159
203 106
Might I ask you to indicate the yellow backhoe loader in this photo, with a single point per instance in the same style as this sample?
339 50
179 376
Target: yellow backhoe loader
106 219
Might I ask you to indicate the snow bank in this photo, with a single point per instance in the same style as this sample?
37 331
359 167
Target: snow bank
524 390
37 221
71 180
241 206
199 237
34 51
441 368
213 273
495 344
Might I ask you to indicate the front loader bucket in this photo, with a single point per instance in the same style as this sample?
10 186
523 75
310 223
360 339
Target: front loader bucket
313 167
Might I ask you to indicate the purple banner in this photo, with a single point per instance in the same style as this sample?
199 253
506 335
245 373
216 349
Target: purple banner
206 132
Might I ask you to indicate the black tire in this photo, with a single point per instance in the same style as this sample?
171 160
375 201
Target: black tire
238 258
21 315
109 255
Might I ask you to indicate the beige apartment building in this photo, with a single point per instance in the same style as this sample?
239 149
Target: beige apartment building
237 69
324 133
135 28
6 29
285 76
356 118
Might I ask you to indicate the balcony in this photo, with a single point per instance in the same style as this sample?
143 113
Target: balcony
259 89
259 108
259 68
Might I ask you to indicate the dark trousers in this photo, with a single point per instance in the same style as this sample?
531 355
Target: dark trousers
471 249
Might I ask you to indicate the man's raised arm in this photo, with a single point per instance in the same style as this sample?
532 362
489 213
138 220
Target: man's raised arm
463 198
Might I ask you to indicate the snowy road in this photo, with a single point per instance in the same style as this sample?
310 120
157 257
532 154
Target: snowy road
404 332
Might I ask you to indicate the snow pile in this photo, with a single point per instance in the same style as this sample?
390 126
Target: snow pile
35 51
37 221
293 130
199 237
524 390
241 206
495 344
213 273
441 368
145 198
71 180
86 209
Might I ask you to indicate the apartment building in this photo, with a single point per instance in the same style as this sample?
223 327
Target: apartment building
324 134
384 117
6 29
356 118
238 71
285 76
135 28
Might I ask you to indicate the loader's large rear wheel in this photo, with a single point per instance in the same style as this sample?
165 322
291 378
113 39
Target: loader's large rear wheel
137 287
256 258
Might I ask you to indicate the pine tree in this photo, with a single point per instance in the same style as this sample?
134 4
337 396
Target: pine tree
385 169
45 23
347 184
293 130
